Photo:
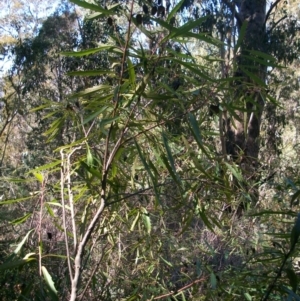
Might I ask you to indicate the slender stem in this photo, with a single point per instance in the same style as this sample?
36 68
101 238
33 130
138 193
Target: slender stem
70 193
62 182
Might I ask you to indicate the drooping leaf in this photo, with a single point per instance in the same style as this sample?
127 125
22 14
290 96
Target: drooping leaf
20 245
196 132
50 284
152 177
292 278
93 7
242 34
295 232
295 196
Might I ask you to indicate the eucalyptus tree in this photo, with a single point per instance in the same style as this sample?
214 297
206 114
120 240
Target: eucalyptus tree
134 160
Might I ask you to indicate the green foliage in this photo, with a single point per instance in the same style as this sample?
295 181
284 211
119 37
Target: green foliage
130 189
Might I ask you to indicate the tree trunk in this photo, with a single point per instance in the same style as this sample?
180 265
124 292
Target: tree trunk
243 128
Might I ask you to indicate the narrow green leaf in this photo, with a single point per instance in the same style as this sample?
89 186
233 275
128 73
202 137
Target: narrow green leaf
15 264
94 115
236 173
146 219
163 23
50 284
49 210
206 221
91 170
46 166
295 196
91 90
213 280
196 132
21 220
89 73
292 278
242 34
253 76
38 176
190 66
170 169
107 121
247 297
98 15
153 179
295 232
92 7
169 153
16 200
20 245
89 156
174 10
87 51
131 72
184 29
166 262
58 205
135 221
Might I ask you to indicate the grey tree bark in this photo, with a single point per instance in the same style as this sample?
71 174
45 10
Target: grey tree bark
243 129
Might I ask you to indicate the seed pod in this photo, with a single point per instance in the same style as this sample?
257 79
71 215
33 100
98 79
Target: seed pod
145 9
161 11
139 19
153 10
109 21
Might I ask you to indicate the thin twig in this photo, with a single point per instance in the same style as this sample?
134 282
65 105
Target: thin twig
62 182
270 10
70 193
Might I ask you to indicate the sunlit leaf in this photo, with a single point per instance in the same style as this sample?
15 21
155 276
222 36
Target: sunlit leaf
146 219
50 283
135 221
20 245
176 8
87 51
38 176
